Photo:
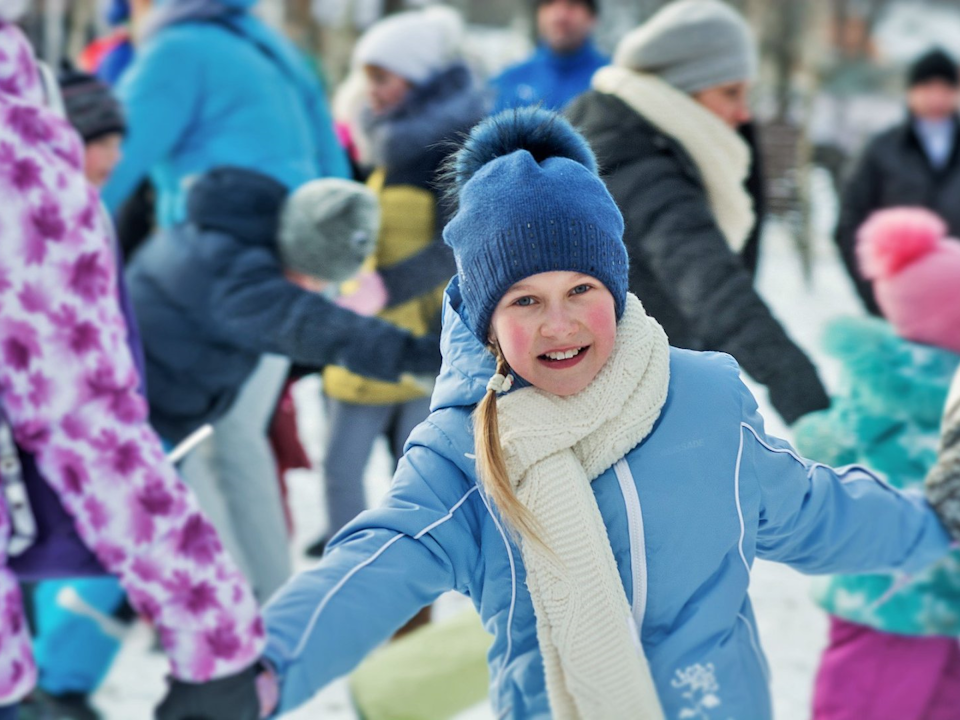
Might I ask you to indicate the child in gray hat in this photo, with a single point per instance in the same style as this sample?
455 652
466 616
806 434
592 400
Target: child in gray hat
253 271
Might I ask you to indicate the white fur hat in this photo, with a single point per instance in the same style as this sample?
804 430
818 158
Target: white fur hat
416 45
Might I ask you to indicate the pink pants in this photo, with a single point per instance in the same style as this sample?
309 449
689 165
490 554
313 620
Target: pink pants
866 674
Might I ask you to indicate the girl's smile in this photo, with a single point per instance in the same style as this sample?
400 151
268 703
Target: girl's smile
556 330
562 359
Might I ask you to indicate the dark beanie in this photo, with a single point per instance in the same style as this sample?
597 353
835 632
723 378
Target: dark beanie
530 201
592 4
91 107
933 65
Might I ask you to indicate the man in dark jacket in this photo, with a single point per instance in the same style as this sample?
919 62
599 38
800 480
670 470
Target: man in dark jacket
213 294
683 264
915 163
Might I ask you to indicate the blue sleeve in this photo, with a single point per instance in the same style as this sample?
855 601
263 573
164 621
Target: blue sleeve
253 306
818 519
377 573
159 94
331 156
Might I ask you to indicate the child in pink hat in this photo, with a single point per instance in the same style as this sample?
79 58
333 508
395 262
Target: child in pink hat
915 268
893 651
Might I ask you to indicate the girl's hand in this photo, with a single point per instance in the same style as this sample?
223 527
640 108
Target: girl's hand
268 690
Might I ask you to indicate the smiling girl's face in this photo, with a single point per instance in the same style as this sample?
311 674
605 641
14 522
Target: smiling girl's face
556 330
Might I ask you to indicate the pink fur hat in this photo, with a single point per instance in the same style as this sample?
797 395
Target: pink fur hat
915 269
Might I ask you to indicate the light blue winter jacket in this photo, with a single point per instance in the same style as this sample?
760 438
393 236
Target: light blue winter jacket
225 90
687 511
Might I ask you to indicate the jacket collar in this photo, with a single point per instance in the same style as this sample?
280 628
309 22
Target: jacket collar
587 54
447 104
912 140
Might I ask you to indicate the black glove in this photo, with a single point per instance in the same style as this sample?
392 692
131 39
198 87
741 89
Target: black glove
230 698
422 356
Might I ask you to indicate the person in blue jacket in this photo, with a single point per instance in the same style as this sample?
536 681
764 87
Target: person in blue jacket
212 85
563 63
599 495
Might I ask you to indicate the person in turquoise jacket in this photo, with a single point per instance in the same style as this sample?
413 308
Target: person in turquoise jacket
563 63
600 496
212 85
893 648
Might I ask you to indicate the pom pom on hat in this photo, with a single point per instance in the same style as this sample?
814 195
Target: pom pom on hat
892 239
530 201
541 133
915 270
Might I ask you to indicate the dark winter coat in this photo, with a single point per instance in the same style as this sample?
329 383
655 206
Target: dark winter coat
211 297
894 170
409 145
681 266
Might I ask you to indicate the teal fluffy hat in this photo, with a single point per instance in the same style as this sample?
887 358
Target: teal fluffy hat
530 201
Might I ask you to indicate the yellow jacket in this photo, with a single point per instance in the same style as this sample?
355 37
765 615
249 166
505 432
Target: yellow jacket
408 225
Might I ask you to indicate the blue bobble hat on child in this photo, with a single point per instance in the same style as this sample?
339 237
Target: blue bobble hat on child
530 201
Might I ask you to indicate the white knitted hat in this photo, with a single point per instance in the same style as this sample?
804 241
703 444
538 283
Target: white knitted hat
692 45
416 45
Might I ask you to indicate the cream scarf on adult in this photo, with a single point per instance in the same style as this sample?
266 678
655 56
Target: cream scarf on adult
554 448
720 155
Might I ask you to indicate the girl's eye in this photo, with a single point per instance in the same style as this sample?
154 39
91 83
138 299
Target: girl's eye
525 301
580 289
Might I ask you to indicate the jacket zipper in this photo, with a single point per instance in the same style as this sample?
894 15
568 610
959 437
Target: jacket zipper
638 553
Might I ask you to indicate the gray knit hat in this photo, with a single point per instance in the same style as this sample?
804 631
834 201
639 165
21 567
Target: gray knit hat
692 45
328 228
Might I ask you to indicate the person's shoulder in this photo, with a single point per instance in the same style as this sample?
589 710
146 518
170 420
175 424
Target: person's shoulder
447 432
440 452
705 365
607 121
516 73
706 380
887 138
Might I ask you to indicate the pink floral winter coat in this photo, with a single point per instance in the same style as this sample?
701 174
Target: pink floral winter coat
69 388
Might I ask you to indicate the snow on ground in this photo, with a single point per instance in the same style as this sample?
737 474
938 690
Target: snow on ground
792 629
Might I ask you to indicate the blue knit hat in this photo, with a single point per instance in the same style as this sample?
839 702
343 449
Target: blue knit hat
530 201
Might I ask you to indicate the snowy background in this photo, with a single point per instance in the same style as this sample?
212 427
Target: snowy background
792 629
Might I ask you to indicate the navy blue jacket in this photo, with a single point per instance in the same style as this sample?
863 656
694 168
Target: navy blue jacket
211 297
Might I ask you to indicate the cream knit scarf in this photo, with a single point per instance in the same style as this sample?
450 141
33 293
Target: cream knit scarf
554 448
720 155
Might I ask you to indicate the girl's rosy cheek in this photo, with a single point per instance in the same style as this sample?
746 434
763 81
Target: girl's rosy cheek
602 315
517 339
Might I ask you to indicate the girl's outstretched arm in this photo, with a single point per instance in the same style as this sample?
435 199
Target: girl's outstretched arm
820 519
376 574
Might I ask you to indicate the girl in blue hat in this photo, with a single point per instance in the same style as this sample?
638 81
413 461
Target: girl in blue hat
599 495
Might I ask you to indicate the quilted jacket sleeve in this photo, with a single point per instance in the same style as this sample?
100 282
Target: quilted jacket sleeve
818 519
376 574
